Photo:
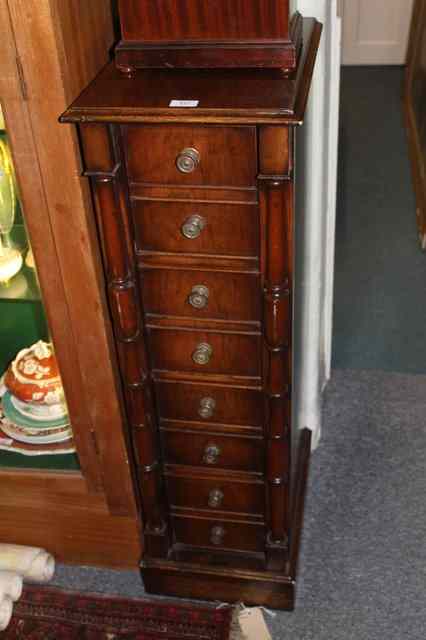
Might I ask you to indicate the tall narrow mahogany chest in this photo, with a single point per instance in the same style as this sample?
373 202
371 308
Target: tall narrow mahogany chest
193 181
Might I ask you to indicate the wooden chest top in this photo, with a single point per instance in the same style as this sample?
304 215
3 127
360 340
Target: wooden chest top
228 96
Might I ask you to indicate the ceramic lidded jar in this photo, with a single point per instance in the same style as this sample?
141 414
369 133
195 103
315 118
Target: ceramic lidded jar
33 376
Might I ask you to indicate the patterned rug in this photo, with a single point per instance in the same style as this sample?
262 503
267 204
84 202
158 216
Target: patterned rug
51 614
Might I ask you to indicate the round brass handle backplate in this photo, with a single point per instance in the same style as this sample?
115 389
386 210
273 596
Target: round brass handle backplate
193 226
206 408
215 498
211 454
202 353
199 296
217 535
188 160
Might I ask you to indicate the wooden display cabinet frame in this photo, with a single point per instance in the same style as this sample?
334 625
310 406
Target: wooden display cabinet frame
91 516
415 120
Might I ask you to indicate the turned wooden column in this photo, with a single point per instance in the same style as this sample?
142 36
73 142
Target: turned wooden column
104 166
276 210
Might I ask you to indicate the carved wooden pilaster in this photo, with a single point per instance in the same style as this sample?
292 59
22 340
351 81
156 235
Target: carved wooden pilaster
276 209
105 169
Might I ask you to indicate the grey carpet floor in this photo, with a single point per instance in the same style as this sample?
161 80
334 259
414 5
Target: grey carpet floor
363 564
380 281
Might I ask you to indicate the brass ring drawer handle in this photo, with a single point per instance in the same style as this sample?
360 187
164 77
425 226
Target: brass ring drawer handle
202 353
217 535
215 498
211 454
193 226
199 296
188 160
206 408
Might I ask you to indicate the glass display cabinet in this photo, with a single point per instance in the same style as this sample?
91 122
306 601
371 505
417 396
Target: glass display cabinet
66 478
34 433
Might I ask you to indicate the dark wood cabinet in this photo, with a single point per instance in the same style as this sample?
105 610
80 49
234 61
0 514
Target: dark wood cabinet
201 33
196 214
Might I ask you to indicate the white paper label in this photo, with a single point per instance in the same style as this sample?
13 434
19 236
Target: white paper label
184 103
253 625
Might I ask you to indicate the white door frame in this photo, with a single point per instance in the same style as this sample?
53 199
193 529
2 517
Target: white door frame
318 181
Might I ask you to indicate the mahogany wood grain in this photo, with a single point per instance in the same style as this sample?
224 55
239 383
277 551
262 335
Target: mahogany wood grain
206 581
195 492
275 150
247 536
181 401
232 354
53 510
219 326
113 214
277 210
98 154
112 233
230 229
227 559
217 427
225 96
298 500
168 20
203 262
206 575
193 55
186 447
230 296
193 33
213 378
227 154
199 194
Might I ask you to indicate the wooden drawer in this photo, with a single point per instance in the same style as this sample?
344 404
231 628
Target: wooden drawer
212 450
227 156
196 227
180 350
202 294
191 401
216 494
222 534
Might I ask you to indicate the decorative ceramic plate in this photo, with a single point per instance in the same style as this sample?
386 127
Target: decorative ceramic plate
18 434
39 411
23 421
60 448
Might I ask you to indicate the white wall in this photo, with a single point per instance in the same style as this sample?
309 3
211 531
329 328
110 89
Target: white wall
315 230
